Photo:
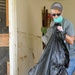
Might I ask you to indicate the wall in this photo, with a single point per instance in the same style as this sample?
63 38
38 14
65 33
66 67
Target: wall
29 34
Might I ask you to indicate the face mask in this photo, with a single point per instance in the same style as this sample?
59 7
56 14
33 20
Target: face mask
58 19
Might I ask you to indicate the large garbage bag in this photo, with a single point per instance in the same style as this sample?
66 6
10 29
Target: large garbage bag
55 58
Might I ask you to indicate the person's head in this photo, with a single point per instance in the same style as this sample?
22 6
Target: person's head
56 11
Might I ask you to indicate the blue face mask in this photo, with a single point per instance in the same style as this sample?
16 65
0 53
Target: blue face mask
58 19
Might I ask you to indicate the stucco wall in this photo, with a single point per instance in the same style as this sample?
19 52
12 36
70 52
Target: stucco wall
29 34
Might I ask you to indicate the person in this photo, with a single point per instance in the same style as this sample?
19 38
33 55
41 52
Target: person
67 27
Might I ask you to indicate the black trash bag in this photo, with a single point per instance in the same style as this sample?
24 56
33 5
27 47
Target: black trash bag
55 58
62 71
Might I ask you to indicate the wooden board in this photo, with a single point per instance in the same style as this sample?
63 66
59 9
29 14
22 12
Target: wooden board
8 68
7 14
4 40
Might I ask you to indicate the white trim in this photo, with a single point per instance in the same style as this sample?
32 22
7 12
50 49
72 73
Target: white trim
13 37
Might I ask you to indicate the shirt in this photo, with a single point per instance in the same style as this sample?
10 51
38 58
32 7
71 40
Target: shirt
68 29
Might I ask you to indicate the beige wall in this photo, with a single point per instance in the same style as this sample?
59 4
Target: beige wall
29 22
29 34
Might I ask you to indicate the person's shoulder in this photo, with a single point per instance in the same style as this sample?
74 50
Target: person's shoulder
67 22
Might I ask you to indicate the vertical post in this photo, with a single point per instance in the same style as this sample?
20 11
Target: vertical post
13 37
7 14
46 17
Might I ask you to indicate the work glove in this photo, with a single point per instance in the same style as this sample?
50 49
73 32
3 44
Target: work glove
44 30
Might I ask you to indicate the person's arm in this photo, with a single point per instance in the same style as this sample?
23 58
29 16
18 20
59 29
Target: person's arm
69 39
70 34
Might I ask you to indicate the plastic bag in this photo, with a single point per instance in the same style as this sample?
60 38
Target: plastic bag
54 57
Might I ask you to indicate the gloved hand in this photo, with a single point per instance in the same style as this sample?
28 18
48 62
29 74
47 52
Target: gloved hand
44 30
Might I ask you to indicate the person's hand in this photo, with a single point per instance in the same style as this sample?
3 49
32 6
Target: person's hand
44 30
60 28
61 33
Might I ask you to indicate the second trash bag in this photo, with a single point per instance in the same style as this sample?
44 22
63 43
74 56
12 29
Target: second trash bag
55 58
